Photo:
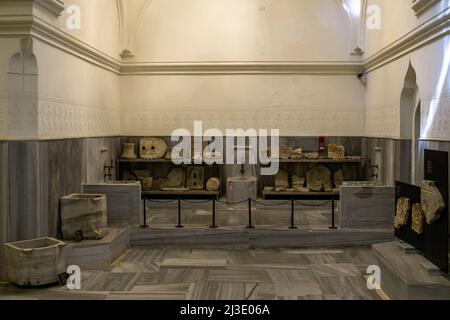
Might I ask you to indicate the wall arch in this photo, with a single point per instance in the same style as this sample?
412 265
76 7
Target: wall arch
22 91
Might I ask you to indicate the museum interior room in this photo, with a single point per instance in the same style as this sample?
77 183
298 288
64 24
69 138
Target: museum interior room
224 149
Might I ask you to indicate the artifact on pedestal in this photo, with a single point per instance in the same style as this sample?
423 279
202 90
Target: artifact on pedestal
432 201
339 179
297 182
318 179
336 152
285 152
152 148
175 179
128 151
34 262
281 181
402 215
417 218
213 184
146 183
195 177
269 189
168 155
83 217
312 155
297 154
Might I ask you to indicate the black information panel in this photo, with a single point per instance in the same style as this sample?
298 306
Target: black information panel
434 240
406 233
436 234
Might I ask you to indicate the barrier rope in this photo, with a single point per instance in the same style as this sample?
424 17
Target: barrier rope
272 205
313 205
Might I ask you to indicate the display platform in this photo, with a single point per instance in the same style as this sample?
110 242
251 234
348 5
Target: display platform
98 253
407 275
242 238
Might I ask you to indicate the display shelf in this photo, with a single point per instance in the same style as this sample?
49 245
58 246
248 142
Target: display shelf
199 194
323 161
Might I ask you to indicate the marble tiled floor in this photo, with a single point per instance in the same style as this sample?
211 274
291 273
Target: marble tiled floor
182 273
200 215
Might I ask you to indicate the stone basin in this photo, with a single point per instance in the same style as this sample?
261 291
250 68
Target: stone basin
34 262
83 217
242 188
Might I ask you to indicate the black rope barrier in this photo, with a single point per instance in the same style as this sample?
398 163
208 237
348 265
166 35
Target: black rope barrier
313 205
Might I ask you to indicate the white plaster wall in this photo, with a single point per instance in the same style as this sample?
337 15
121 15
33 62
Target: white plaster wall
397 19
237 30
385 84
99 24
76 98
298 105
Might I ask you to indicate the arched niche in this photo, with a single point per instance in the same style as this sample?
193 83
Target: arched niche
22 89
410 127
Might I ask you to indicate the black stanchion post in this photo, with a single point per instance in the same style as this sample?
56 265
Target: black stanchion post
179 226
333 226
214 215
292 227
145 214
250 226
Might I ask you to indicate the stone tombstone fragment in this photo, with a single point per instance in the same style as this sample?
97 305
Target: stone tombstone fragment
285 152
297 182
297 154
281 180
195 177
146 183
339 178
152 148
35 262
336 152
213 184
432 201
85 214
417 218
312 155
175 179
168 155
128 151
318 179
402 214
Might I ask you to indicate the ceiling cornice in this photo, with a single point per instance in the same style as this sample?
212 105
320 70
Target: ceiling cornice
218 68
53 7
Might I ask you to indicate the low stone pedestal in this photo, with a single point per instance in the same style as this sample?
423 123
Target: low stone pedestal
241 189
91 254
123 201
404 275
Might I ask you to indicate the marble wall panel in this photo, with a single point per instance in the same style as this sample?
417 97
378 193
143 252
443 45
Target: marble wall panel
4 203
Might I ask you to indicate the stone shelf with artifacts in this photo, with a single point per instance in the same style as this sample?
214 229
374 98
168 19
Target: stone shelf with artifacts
312 176
159 176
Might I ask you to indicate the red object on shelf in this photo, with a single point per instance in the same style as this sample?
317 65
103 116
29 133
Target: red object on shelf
321 144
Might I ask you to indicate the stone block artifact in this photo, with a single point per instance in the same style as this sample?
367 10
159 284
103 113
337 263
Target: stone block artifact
152 148
213 184
128 151
402 214
34 262
336 152
318 179
432 201
85 215
195 177
417 218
